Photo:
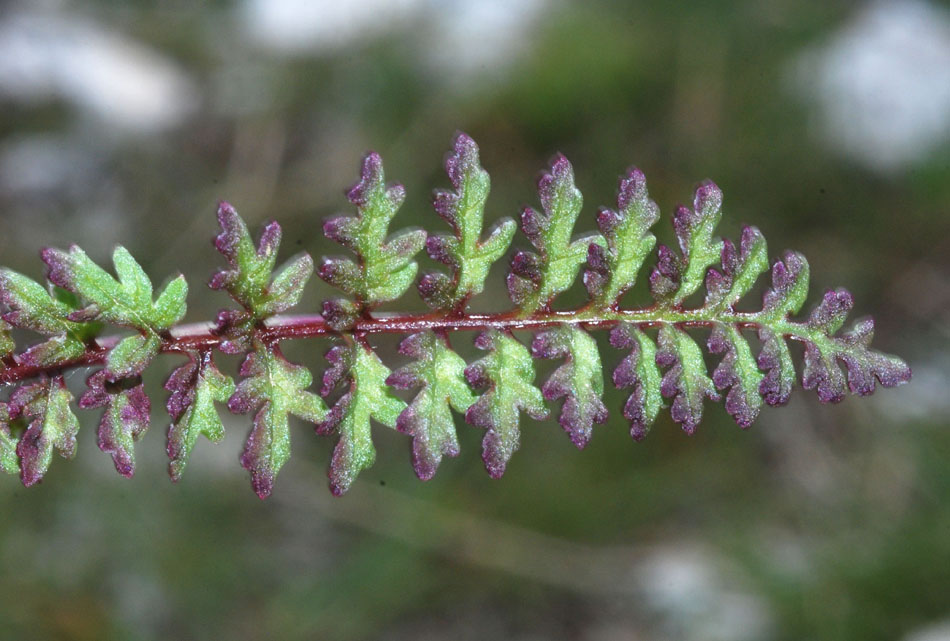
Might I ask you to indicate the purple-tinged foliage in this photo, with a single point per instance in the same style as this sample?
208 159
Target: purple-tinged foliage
821 371
638 370
676 277
367 397
273 389
579 381
383 269
439 372
469 257
614 267
737 372
685 381
251 281
51 424
506 372
125 419
30 306
194 387
537 278
741 268
80 297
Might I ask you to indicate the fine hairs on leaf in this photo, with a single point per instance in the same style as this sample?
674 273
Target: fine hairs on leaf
661 358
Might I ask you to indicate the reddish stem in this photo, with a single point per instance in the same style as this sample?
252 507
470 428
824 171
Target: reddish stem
202 336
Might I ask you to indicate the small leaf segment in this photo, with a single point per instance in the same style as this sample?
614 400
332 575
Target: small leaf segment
662 360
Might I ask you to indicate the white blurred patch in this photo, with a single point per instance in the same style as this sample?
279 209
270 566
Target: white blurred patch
453 36
469 37
118 81
882 83
696 600
938 632
291 26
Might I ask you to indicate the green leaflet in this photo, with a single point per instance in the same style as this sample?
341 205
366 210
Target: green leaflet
9 461
580 380
676 277
738 372
194 387
384 269
7 345
741 268
469 257
52 424
368 397
124 420
686 381
614 266
638 370
34 308
507 371
250 280
535 279
124 301
274 389
439 372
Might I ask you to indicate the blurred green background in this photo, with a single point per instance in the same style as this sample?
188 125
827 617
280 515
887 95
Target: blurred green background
827 124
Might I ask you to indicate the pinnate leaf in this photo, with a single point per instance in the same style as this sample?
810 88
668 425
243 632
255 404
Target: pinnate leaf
250 280
469 257
32 307
194 387
686 381
9 461
638 370
439 373
367 397
51 425
506 372
274 389
677 276
536 278
384 268
580 380
614 266
124 301
125 419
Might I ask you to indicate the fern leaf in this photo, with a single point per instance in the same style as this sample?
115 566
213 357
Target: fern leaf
507 372
52 424
194 387
125 419
367 397
614 266
384 269
274 389
440 373
469 257
536 278
580 380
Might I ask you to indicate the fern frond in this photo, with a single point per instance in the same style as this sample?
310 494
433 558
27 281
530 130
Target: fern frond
661 338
